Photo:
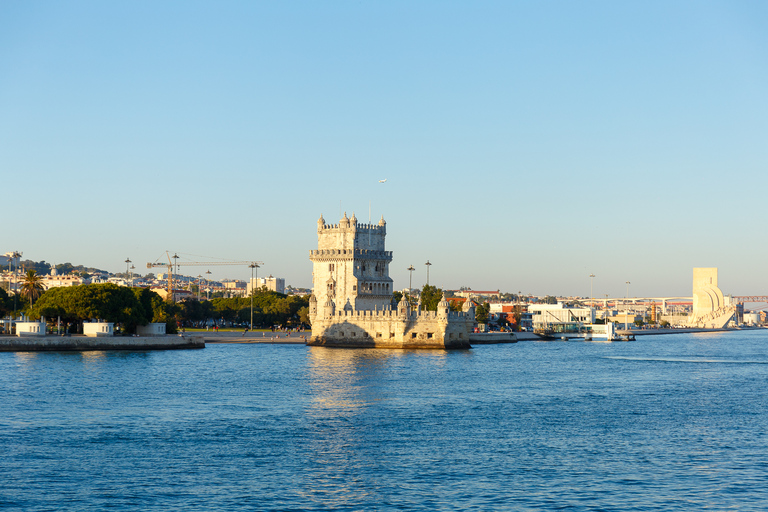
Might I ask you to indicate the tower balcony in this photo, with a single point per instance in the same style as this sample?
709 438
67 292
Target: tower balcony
349 254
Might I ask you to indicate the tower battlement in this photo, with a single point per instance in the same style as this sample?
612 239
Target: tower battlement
351 224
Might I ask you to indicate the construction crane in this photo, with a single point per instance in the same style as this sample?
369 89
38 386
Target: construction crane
175 263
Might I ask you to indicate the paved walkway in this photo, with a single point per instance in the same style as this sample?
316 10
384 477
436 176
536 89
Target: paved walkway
255 337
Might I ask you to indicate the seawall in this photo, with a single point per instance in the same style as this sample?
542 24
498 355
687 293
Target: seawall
84 343
322 341
492 338
680 330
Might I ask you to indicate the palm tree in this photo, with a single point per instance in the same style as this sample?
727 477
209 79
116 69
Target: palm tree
32 288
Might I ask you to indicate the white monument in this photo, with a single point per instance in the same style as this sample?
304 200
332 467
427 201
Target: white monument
711 308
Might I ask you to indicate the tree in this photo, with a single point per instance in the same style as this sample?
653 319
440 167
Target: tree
128 307
6 303
32 287
518 316
430 297
481 313
41 267
64 268
304 315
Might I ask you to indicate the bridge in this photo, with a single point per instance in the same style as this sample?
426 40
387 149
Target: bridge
743 299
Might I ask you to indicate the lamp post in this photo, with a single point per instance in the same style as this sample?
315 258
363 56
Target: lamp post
199 277
253 266
410 280
626 319
127 264
14 255
428 264
208 289
175 268
591 282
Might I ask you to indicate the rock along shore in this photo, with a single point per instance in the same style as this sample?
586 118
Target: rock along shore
84 343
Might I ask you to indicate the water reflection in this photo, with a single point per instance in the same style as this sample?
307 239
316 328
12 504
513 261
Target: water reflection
25 358
356 395
346 380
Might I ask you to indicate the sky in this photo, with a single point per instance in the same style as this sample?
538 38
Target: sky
526 145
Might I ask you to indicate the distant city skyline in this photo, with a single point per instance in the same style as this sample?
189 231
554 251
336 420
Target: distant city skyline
516 146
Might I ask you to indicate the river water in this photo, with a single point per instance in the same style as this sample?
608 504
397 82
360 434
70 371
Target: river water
675 422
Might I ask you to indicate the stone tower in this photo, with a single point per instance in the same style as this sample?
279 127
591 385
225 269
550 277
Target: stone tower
350 267
351 304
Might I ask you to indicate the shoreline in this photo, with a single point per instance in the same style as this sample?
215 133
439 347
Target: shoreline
85 343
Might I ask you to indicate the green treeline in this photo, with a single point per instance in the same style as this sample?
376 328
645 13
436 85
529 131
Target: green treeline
131 307
128 307
269 308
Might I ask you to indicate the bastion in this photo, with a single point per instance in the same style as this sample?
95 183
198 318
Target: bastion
351 304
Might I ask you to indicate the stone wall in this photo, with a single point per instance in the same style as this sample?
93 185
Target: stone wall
391 329
83 343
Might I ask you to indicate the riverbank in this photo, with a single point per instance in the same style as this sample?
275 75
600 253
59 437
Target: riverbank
682 330
492 338
285 338
85 343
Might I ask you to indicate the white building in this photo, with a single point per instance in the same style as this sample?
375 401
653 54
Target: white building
57 281
274 284
96 329
559 317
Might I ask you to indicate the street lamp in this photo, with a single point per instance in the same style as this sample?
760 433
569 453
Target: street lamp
591 282
175 267
14 255
198 287
127 263
410 280
428 264
626 309
252 266
208 289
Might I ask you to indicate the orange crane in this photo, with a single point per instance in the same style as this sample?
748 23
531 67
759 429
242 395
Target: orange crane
170 265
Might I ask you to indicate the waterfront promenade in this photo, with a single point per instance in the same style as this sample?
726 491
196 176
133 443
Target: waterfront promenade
296 338
80 343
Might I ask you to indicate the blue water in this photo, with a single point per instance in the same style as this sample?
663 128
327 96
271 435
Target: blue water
673 422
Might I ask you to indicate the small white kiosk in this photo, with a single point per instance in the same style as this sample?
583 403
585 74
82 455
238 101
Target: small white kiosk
96 329
30 328
155 329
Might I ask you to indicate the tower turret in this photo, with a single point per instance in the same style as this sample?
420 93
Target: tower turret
443 308
403 307
330 307
312 306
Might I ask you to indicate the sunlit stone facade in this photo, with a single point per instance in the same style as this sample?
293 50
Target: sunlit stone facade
351 304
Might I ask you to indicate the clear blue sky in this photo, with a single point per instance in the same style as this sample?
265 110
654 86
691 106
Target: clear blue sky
525 144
